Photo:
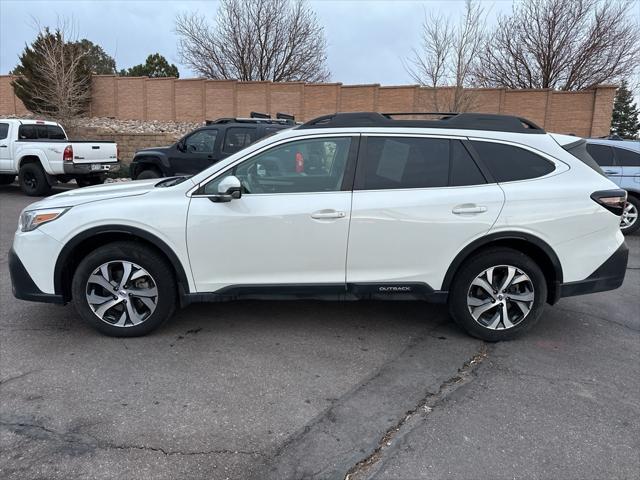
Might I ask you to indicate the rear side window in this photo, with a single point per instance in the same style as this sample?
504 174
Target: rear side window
508 163
237 138
395 162
602 154
627 158
4 130
27 132
55 132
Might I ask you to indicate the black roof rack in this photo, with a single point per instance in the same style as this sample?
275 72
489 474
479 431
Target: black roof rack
463 121
257 117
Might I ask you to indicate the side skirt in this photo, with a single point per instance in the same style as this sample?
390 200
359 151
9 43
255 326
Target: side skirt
329 292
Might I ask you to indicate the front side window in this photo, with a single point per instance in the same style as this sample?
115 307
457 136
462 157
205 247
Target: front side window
303 166
627 158
602 154
508 163
4 130
237 138
201 142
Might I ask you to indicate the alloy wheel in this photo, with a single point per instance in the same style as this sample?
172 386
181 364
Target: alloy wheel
629 216
500 297
122 293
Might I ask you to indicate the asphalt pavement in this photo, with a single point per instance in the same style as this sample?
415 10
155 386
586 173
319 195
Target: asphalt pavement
319 390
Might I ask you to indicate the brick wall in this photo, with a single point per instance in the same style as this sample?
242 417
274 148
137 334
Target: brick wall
585 113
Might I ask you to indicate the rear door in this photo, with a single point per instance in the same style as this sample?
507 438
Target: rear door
417 201
629 160
604 156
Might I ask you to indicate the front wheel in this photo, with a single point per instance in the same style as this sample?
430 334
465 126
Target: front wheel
498 294
124 289
148 173
629 222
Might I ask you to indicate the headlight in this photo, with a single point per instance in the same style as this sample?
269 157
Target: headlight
32 219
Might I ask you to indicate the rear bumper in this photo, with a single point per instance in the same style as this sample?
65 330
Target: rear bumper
85 168
23 285
608 276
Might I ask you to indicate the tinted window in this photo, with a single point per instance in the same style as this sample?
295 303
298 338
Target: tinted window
55 132
42 131
508 163
464 170
394 162
237 138
627 158
602 154
4 130
201 142
27 132
302 166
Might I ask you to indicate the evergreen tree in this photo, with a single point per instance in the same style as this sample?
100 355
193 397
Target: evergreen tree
155 66
624 121
98 61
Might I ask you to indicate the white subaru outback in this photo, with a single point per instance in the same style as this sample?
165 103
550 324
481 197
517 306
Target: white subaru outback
486 212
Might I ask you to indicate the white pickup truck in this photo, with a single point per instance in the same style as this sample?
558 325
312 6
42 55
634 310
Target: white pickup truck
40 153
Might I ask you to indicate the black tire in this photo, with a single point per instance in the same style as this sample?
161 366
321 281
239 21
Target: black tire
148 259
148 173
33 180
462 292
7 179
89 180
634 202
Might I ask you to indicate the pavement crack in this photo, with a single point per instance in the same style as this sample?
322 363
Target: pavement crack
17 377
464 375
88 442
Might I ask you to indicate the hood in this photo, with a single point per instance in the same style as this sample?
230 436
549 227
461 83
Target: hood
146 151
78 196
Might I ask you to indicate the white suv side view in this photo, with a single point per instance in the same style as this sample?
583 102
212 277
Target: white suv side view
486 212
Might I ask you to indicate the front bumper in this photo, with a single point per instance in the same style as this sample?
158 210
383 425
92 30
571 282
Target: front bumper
86 168
23 285
607 276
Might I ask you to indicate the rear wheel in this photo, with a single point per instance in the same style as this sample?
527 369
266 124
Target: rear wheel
33 180
498 294
148 173
7 179
124 289
629 222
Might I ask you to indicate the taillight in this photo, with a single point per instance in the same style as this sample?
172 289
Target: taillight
67 156
612 200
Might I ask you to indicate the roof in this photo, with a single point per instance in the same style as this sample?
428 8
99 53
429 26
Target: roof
461 121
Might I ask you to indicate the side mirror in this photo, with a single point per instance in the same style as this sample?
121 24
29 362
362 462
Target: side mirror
229 188
181 146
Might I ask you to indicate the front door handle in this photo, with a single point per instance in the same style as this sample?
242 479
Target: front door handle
327 214
610 172
3 146
469 208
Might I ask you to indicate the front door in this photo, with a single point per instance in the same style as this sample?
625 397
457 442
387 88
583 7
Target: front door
290 227
5 148
197 153
416 202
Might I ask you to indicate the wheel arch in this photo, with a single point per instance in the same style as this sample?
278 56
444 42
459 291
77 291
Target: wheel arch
83 243
144 162
539 250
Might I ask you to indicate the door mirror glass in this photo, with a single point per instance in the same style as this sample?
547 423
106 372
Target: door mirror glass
229 188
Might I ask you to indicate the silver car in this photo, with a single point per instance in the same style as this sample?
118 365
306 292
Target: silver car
620 161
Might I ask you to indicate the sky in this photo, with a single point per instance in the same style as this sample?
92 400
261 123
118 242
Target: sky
367 39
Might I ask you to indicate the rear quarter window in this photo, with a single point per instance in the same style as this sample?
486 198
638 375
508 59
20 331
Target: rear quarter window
508 163
55 132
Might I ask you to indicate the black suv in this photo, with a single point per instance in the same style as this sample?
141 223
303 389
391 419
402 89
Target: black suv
206 145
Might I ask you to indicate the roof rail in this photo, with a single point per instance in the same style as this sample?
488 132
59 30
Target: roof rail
452 120
256 117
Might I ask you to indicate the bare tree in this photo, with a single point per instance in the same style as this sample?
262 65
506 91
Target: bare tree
561 44
448 55
277 40
53 77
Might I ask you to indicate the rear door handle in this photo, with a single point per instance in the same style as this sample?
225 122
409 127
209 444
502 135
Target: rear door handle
469 208
327 214
610 172
3 146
